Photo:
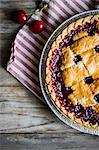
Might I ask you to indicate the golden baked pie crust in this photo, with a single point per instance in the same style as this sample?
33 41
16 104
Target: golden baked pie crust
87 43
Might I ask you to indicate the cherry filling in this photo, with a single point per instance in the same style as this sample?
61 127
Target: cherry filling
96 98
62 92
77 58
68 90
97 49
68 40
88 80
91 28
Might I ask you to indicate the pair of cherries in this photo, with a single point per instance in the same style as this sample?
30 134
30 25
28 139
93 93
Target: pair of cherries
20 17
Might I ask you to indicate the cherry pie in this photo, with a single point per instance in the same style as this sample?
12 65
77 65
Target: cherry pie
72 72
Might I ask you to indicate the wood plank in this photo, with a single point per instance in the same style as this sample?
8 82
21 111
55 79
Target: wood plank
17 4
49 141
7 80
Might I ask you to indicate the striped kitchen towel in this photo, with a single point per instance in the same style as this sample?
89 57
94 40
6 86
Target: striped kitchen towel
27 46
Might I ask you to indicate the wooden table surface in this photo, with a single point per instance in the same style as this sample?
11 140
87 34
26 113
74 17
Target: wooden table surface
32 123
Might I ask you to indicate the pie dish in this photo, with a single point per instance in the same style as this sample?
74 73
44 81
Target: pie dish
72 72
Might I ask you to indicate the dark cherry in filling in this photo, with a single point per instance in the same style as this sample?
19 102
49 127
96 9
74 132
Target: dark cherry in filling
68 90
62 92
88 80
79 111
68 40
91 32
91 28
97 48
77 58
96 98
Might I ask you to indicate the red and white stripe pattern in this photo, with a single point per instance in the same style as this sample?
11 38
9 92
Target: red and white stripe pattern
27 47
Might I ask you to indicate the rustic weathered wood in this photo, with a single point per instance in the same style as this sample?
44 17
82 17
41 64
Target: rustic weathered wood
49 141
21 111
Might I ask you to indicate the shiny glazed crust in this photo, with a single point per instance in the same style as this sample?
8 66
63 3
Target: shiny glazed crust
67 63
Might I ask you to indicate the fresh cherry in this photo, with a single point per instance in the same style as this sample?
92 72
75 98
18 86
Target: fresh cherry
37 26
19 16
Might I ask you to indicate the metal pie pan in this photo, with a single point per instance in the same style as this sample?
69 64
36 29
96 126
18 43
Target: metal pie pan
42 68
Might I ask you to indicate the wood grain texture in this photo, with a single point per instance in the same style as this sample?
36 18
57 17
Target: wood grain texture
48 141
20 111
